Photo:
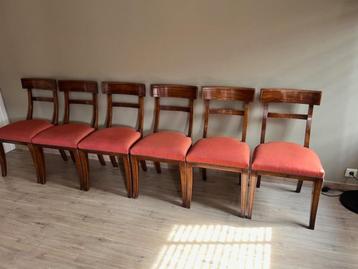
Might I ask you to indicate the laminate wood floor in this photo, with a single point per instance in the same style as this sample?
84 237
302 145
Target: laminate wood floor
58 226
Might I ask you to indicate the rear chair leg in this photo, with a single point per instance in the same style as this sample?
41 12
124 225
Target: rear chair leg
63 155
258 182
127 175
143 164
101 159
3 160
135 177
252 189
317 185
203 173
299 186
113 161
157 167
243 182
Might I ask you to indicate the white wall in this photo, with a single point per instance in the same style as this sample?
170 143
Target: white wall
278 43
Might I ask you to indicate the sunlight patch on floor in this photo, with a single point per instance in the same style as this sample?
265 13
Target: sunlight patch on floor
216 246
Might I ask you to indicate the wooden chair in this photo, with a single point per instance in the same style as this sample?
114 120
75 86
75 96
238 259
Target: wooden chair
115 141
222 153
165 146
21 132
68 135
284 159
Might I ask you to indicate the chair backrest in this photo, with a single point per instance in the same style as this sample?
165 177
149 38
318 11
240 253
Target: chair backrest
136 89
67 86
41 84
174 91
220 93
295 96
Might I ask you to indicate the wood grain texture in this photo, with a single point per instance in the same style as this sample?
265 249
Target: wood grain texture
58 226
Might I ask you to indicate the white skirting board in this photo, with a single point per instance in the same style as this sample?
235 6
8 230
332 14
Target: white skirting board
4 119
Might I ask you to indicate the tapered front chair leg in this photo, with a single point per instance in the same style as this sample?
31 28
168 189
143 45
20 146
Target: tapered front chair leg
35 162
41 165
252 189
182 181
84 178
79 166
244 183
3 160
128 175
189 185
135 176
317 186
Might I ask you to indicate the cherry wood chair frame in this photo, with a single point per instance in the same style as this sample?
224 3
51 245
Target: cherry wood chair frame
295 96
110 89
220 93
30 84
159 91
68 86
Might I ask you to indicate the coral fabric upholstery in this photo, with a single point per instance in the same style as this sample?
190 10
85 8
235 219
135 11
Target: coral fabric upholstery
170 145
111 140
23 131
222 151
287 158
63 136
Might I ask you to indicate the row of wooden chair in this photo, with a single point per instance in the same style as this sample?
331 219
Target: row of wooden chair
281 159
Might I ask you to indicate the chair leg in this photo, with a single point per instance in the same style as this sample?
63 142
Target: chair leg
243 182
63 155
299 186
157 167
113 161
127 175
240 178
41 165
101 159
85 181
72 157
135 176
252 189
317 185
143 164
189 185
203 173
3 160
79 167
35 162
258 182
182 181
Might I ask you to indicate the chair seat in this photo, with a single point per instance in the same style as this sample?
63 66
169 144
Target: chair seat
23 131
287 158
221 151
170 145
63 136
111 140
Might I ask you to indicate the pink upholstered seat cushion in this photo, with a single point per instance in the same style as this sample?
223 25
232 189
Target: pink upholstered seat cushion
65 136
23 131
169 145
111 140
221 151
287 158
